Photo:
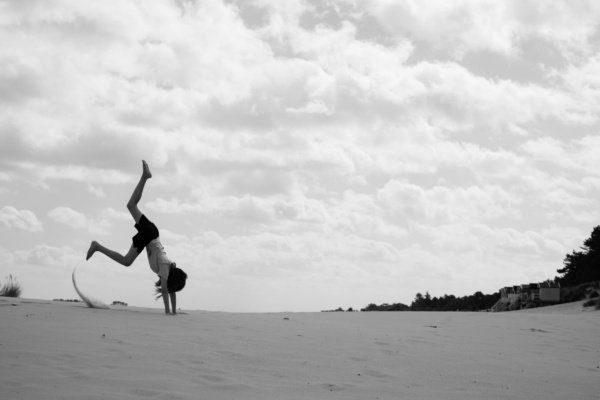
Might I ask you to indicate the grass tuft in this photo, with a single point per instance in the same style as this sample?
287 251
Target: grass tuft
11 288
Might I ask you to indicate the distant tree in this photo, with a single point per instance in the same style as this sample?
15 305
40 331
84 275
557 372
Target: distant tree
397 307
422 303
370 307
418 303
387 307
478 301
448 303
582 266
339 309
475 302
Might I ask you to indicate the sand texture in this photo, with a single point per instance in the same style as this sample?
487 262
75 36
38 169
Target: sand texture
55 350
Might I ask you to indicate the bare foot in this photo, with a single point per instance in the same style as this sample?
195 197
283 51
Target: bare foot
146 172
92 249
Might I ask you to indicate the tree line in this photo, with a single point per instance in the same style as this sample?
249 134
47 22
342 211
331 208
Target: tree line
579 267
475 302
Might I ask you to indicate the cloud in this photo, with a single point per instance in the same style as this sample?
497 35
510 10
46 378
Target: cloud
460 26
572 156
262 183
444 204
165 96
353 141
582 83
63 257
269 255
467 26
112 214
498 243
68 216
96 191
24 220
77 220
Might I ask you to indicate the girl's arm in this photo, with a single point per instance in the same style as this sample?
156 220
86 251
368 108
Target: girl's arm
173 297
165 296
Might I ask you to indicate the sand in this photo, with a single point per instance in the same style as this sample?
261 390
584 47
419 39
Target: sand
56 350
89 301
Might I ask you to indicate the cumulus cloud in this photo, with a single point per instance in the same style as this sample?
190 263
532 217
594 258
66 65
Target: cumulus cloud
25 220
97 191
324 140
48 256
467 26
78 220
68 216
446 204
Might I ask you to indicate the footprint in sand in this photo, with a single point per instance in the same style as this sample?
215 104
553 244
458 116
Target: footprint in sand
332 388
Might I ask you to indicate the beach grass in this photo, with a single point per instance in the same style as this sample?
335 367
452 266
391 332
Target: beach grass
11 288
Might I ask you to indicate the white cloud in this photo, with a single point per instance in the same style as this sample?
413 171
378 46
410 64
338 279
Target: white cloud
25 220
63 257
68 216
575 155
346 141
77 220
96 191
111 213
460 26
580 82
443 204
79 173
463 26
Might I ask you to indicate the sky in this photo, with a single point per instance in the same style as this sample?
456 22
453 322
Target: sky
306 154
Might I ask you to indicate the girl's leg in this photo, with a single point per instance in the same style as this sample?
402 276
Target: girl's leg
125 260
136 196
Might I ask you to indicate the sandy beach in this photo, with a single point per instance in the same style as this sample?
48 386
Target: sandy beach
57 350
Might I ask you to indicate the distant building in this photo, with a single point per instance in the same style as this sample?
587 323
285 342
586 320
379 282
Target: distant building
549 292
540 294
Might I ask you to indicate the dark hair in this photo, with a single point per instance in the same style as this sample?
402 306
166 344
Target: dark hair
175 282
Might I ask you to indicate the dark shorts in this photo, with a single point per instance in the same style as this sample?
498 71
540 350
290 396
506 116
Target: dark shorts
147 232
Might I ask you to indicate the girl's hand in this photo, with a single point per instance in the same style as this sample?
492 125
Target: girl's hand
163 286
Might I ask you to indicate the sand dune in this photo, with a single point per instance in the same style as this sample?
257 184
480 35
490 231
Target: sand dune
52 350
